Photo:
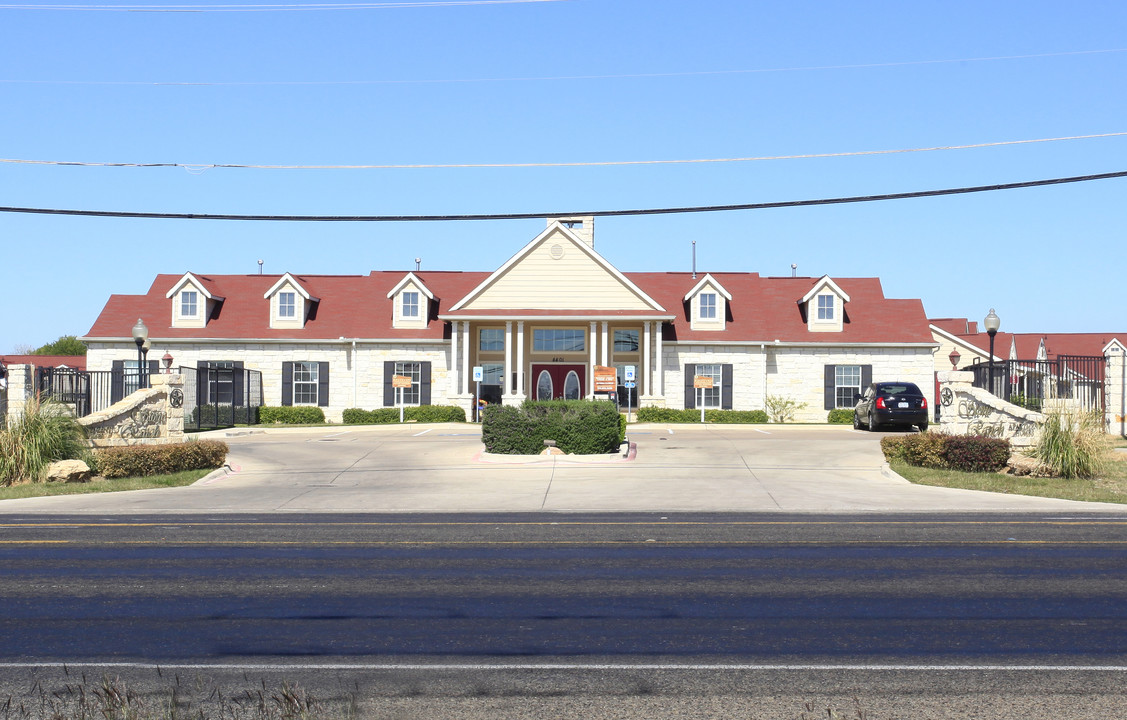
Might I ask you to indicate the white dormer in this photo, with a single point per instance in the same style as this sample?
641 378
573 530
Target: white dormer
192 302
410 300
290 303
708 304
825 306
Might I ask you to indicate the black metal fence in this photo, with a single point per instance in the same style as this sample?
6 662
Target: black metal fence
218 397
83 391
1029 383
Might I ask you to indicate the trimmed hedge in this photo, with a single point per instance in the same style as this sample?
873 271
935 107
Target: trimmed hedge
420 413
672 415
291 415
140 460
840 416
579 427
965 453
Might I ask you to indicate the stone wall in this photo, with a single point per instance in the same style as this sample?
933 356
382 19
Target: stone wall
1115 391
967 410
21 385
151 416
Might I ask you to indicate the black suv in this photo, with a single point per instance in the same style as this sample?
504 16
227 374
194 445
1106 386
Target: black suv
891 403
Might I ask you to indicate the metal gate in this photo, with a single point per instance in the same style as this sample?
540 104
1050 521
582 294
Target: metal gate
83 391
1029 383
219 397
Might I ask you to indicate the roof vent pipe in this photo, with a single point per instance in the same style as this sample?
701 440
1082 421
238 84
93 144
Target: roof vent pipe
259 267
794 269
418 262
694 259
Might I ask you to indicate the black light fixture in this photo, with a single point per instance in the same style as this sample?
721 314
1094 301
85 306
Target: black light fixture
140 336
992 322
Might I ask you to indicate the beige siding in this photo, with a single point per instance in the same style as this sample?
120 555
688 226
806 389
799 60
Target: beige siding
572 281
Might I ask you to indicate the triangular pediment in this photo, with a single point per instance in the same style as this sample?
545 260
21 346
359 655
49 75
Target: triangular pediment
557 271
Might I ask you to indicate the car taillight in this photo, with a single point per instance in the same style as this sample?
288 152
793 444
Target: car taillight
923 403
880 403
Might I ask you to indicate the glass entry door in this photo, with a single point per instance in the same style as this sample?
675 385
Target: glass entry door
558 382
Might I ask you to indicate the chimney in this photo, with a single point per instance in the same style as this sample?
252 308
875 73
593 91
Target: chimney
583 226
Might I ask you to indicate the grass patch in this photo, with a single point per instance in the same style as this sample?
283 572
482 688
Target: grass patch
30 490
1111 486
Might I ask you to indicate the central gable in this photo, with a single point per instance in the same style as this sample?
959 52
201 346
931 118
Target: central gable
557 271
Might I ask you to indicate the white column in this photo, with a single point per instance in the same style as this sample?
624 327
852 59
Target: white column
606 344
467 343
591 365
506 382
454 364
520 357
647 360
659 365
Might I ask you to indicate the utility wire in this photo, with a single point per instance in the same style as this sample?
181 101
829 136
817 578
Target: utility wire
272 7
543 78
201 167
595 213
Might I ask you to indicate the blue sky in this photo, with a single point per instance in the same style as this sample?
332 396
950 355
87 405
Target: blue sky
571 81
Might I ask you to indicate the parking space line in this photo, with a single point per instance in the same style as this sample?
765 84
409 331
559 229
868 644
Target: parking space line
424 432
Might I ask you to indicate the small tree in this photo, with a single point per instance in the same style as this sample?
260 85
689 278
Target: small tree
65 345
781 409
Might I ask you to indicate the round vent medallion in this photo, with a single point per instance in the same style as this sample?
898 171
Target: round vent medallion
557 251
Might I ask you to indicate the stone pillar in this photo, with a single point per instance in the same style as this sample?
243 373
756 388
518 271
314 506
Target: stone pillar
647 361
467 342
1115 391
455 365
659 364
21 386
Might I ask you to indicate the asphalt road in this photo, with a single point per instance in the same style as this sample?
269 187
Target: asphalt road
581 615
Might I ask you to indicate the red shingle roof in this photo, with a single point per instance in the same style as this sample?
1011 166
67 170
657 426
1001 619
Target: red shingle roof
357 306
1028 344
76 362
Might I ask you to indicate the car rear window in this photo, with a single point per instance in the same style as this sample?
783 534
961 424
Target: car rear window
901 389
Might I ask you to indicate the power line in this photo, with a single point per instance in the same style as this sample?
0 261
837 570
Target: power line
595 213
273 7
541 78
201 167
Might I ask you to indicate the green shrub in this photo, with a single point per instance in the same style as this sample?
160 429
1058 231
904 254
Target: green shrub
672 415
141 460
971 453
840 416
291 415
925 450
578 427
44 433
782 410
421 413
1072 445
893 447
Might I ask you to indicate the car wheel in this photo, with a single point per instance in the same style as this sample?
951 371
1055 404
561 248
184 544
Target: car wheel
873 424
922 427
856 421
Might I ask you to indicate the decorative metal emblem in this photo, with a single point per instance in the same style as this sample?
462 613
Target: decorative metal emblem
176 398
947 397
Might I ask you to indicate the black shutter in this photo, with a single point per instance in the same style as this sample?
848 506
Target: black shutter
323 384
831 379
287 384
237 384
117 381
725 387
424 383
388 390
866 377
690 391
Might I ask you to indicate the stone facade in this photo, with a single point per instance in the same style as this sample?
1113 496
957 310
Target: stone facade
967 410
1115 391
146 417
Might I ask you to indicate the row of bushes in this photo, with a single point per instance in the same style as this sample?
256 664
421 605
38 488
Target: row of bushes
140 460
579 427
672 415
966 453
420 413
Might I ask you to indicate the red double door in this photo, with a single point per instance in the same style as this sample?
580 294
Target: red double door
558 382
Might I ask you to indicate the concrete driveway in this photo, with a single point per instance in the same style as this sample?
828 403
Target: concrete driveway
441 468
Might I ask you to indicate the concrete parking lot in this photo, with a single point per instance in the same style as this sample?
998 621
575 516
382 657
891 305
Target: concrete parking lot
442 468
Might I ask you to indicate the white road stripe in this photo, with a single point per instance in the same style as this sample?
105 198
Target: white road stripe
564 666
424 432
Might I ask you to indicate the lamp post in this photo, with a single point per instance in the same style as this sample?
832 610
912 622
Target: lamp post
167 360
145 360
992 322
954 358
140 336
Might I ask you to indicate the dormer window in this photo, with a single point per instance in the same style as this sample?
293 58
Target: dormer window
826 307
287 305
708 306
410 304
189 304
